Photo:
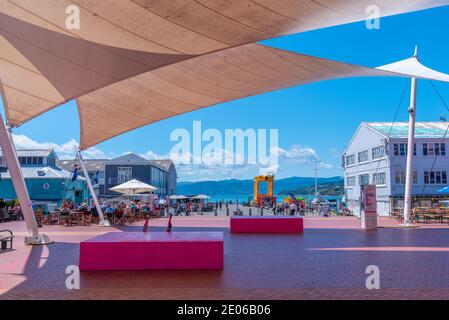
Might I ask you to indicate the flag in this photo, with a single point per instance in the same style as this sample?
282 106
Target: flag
95 177
75 173
298 205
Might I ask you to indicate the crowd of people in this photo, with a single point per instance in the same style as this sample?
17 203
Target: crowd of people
121 212
10 211
189 208
288 209
116 213
291 208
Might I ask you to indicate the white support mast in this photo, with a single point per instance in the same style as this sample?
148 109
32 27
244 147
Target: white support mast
103 222
316 178
9 152
410 149
412 67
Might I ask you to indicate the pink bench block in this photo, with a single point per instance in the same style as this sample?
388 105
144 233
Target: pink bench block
267 224
152 251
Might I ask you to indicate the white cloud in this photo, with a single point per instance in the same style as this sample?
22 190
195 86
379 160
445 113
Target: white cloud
306 156
211 167
297 153
335 153
208 169
66 150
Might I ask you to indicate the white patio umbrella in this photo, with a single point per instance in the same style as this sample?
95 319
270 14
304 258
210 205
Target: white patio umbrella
133 187
201 196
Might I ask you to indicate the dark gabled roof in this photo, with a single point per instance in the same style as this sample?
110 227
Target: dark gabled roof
92 165
129 158
163 163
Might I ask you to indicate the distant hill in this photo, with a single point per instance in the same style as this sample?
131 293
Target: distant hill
329 189
297 185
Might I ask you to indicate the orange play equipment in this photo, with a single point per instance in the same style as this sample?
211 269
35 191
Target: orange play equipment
259 198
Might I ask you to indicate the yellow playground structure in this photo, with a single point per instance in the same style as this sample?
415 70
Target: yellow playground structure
261 199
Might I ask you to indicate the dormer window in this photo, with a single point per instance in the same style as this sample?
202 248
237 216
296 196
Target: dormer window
41 173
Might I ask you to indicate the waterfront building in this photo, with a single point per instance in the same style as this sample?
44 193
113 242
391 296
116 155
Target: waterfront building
377 154
158 173
45 181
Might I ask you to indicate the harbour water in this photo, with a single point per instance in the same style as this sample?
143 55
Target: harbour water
245 197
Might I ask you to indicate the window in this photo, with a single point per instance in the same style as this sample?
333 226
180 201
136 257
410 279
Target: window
350 181
400 149
434 149
425 151
378 152
124 174
363 156
400 177
364 179
40 160
435 177
350 160
379 178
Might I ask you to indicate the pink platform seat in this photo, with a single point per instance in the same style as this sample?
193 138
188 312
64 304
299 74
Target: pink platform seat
153 251
267 224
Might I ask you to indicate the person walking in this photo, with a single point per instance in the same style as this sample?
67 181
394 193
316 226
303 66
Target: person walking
292 209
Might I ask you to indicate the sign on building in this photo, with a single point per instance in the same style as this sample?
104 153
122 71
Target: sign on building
369 212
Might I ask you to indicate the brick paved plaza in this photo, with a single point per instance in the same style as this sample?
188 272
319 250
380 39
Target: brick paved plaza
327 262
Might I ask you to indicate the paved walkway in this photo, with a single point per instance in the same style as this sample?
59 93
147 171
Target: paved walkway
327 262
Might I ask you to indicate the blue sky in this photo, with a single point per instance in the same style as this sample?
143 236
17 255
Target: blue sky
315 120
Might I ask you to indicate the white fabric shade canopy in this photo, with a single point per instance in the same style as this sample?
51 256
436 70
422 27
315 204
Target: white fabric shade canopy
133 187
412 66
135 62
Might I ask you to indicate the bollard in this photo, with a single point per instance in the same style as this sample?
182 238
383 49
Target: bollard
216 212
227 212
250 211
261 211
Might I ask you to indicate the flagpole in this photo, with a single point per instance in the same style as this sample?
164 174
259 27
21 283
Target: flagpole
103 222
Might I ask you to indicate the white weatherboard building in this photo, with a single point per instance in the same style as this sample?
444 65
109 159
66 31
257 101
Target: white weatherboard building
377 155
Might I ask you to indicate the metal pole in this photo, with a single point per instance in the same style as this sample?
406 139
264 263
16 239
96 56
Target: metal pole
103 222
410 148
7 146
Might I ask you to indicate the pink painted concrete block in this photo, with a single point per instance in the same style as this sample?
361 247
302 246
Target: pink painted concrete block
267 224
152 251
